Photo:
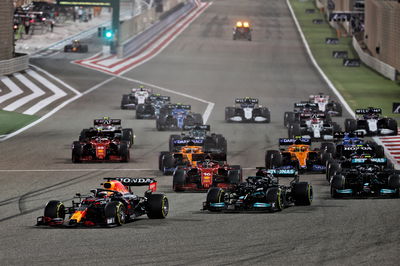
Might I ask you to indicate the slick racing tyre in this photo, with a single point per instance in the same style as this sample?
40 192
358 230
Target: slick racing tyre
289 118
331 170
167 164
303 193
178 180
124 152
83 136
273 159
329 147
229 112
127 135
392 125
157 206
294 130
350 125
54 209
115 211
215 195
275 195
338 182
76 152
234 177
124 101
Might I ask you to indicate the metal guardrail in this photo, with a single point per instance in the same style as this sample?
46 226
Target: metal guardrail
18 63
383 68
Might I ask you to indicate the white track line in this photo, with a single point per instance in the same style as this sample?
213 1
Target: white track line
58 94
207 112
330 84
15 90
36 92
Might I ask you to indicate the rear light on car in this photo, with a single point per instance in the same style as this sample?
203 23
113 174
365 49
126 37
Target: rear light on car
246 24
239 24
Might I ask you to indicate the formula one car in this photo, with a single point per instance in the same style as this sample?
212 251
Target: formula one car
247 110
106 141
325 105
198 136
303 111
366 177
261 193
187 155
242 30
76 47
176 116
112 205
297 156
110 128
370 123
152 106
205 174
137 96
315 128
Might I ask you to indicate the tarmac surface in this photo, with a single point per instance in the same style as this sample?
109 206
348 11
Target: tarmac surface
203 62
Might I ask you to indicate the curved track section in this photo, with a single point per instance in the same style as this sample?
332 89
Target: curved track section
206 63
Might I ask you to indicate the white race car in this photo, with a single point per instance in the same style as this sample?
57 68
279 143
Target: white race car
137 96
332 108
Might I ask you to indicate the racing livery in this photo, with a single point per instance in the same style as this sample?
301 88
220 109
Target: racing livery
113 204
303 111
152 106
297 156
205 174
137 96
242 30
176 116
247 110
262 192
314 127
370 123
198 136
326 105
366 177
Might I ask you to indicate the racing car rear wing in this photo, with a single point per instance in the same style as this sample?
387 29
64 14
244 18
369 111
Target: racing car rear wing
342 134
196 127
136 182
369 110
159 97
179 106
307 104
97 122
288 141
378 161
189 142
198 157
281 172
244 100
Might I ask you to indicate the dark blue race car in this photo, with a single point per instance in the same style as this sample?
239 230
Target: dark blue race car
176 116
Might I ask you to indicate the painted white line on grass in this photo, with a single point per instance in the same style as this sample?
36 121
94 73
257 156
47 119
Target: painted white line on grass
210 105
330 84
14 89
58 94
36 92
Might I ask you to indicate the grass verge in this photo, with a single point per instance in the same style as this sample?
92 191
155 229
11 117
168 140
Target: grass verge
360 86
12 121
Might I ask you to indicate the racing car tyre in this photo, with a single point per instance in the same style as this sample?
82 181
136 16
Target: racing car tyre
215 195
168 162
127 135
124 101
157 206
294 130
325 157
328 147
221 143
392 125
394 181
338 108
338 182
229 112
139 111
234 177
273 159
379 151
336 127
178 179
83 135
124 152
160 159
288 119
76 152
303 193
274 195
350 125
116 210
54 209
331 170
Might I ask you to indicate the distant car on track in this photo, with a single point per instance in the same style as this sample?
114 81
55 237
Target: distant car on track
247 110
112 205
152 106
137 96
325 104
242 30
176 116
76 47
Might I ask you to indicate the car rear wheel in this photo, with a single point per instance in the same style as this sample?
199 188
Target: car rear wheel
157 206
303 193
273 159
179 179
124 152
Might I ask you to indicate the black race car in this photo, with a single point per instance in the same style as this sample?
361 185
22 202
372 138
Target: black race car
366 177
303 111
176 116
261 193
242 30
76 47
198 136
247 110
113 204
369 122
152 106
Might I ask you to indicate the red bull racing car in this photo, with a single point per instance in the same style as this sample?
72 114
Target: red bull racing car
112 205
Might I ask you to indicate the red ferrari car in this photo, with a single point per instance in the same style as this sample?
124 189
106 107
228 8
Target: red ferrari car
201 176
